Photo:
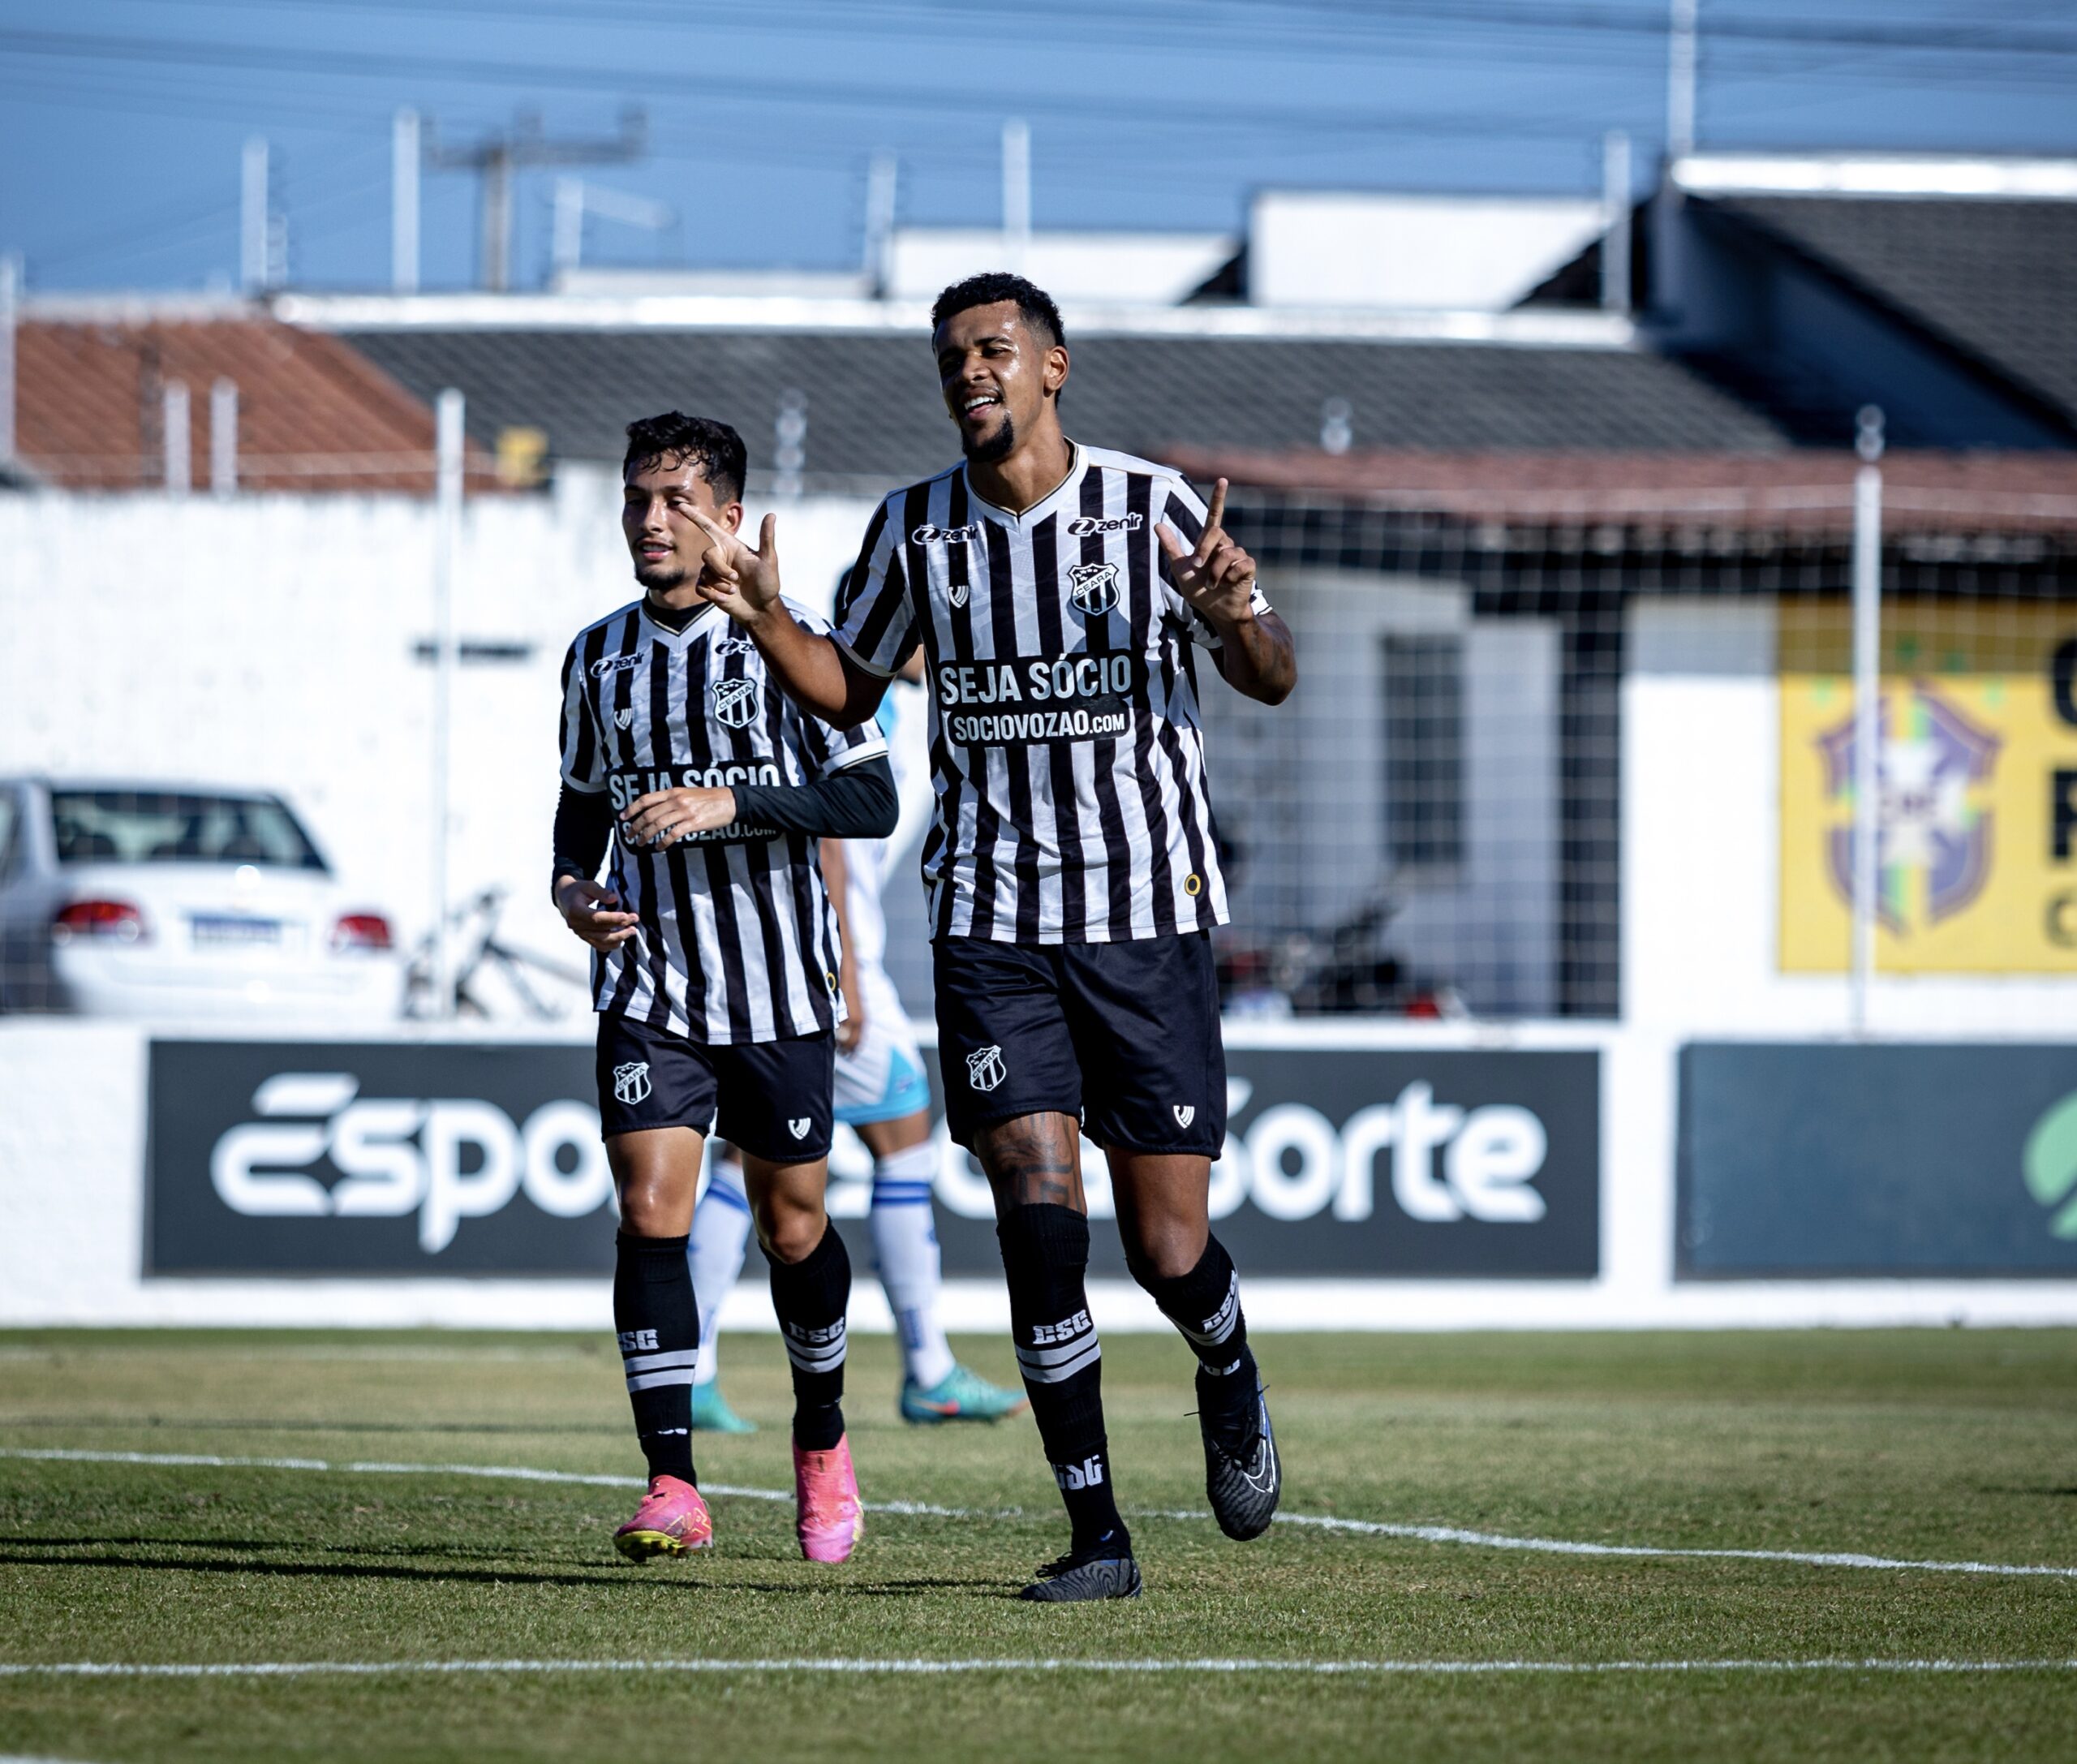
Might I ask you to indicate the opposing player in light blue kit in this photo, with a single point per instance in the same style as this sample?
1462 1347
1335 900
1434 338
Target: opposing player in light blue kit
881 1095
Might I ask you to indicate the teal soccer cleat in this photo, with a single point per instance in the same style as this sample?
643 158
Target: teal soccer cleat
961 1395
710 1412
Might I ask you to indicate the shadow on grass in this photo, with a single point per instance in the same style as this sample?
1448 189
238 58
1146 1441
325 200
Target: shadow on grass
620 1578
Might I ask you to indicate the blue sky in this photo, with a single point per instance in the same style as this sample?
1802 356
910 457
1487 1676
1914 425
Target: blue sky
120 127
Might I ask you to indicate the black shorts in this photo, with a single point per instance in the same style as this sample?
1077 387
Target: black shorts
771 1098
1123 1034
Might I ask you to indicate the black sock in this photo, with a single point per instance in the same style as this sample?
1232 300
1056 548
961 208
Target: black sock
1046 1257
658 1320
1204 1305
810 1298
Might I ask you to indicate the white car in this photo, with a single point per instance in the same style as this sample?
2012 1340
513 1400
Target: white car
177 902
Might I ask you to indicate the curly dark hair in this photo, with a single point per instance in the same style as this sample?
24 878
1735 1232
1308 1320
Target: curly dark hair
992 287
715 448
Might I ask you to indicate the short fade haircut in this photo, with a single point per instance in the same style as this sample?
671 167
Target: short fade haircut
991 288
715 448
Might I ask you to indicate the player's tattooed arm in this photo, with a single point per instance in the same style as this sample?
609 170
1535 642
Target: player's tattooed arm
663 817
1032 1160
1217 579
810 669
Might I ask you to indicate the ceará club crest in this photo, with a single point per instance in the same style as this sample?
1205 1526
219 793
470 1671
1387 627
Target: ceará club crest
1093 588
735 703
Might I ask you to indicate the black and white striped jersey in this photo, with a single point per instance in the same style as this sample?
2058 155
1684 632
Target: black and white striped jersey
737 941
1065 743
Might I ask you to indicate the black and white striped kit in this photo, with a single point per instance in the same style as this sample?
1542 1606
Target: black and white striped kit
737 941
1065 743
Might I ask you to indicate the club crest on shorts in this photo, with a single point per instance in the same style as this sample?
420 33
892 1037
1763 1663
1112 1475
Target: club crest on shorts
622 718
1184 1113
985 1069
631 1082
735 703
1093 587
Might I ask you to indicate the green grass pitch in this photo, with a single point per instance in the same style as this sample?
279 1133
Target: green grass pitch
1946 1446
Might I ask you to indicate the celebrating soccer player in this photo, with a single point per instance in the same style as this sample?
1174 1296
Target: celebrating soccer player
1056 591
716 970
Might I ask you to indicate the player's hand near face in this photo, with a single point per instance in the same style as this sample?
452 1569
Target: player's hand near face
662 818
742 582
592 912
1215 575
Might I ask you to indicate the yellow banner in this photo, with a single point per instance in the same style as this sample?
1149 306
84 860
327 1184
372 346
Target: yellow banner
1977 863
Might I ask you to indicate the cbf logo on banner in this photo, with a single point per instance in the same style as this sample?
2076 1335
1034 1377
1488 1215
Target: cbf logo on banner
1977 773
296 1157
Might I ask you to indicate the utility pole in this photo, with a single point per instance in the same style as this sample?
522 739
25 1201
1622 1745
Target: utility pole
405 155
497 159
1615 221
448 458
1680 78
1017 192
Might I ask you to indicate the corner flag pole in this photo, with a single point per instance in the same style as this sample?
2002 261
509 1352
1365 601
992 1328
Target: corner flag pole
447 531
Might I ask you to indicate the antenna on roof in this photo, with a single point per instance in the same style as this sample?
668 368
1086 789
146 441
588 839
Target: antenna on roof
1680 53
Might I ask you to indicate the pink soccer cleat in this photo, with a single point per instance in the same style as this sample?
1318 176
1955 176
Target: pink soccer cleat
831 1518
671 1520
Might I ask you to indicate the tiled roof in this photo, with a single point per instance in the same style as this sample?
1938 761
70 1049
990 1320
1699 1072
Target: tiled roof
874 416
313 413
1991 278
1804 490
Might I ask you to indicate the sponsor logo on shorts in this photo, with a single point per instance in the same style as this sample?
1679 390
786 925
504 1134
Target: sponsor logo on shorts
1083 525
798 1124
735 703
1184 1113
985 1069
1093 587
631 1082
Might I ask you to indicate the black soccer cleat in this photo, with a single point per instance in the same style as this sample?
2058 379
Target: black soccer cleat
1242 1476
1084 1574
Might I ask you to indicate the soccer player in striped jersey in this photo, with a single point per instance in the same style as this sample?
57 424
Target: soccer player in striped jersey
1060 595
715 967
881 1095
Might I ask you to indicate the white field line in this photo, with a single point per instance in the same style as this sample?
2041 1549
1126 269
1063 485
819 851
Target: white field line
1491 1540
935 1668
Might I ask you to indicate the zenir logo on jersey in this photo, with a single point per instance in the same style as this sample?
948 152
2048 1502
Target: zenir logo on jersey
985 1069
928 534
1083 525
631 1082
735 703
1094 588
614 665
735 646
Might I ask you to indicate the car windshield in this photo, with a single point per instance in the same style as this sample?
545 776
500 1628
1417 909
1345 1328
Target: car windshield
178 827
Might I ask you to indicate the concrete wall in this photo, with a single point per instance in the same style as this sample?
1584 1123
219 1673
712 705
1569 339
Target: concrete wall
270 642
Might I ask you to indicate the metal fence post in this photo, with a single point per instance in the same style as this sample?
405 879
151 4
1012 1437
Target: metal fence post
447 524
1867 707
